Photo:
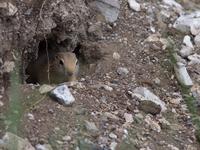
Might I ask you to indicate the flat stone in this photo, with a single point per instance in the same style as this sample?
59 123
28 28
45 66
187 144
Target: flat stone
45 88
90 126
182 74
63 95
112 136
109 9
149 102
187 23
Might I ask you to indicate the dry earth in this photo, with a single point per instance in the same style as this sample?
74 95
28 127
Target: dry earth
101 91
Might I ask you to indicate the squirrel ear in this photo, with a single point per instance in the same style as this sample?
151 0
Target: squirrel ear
61 62
76 62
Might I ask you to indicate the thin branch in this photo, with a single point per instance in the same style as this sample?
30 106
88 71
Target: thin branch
46 43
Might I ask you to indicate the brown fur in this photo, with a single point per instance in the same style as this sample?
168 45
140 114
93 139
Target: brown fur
62 67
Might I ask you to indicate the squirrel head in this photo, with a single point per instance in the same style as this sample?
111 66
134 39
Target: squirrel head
66 62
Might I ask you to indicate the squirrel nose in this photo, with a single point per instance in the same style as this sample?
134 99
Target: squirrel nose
70 73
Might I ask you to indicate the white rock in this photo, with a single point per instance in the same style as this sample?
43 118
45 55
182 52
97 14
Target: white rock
1 103
197 40
90 126
156 81
182 74
145 95
186 51
187 41
174 4
194 59
122 71
134 5
116 56
113 136
107 88
128 117
67 138
43 147
187 48
113 145
30 116
187 23
172 147
195 29
63 95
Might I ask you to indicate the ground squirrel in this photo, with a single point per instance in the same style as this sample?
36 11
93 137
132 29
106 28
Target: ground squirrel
63 66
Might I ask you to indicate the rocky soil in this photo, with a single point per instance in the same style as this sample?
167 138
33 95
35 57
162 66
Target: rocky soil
139 82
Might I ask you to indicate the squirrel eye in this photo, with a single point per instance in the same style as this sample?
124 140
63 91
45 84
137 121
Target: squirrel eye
61 62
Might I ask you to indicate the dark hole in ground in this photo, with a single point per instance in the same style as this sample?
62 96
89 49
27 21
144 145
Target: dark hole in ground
49 48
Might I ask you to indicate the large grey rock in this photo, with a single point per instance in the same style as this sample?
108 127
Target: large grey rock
188 23
174 4
182 74
187 41
63 95
11 141
149 102
109 9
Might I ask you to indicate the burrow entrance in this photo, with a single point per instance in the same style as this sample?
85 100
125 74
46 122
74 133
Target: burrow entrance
46 63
